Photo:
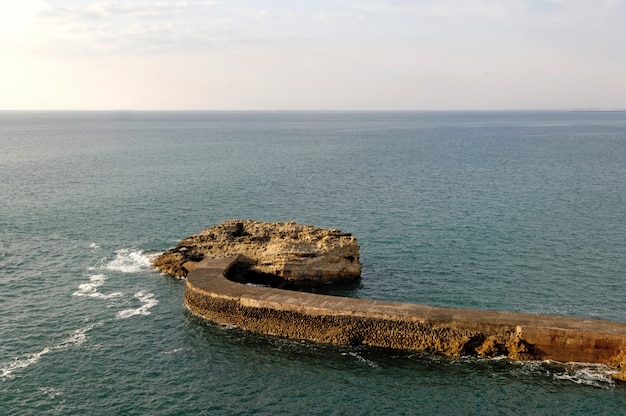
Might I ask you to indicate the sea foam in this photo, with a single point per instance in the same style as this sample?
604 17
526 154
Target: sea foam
588 374
91 289
130 261
76 338
362 360
596 375
148 301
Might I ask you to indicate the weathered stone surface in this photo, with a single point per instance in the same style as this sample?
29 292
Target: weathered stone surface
209 294
282 254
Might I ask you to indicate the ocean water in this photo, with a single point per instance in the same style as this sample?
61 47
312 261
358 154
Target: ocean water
518 211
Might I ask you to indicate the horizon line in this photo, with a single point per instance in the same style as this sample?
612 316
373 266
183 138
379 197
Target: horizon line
129 110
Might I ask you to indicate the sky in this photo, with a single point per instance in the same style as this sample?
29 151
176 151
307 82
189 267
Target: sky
312 55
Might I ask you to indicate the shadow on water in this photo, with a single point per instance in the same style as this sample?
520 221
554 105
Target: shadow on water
240 272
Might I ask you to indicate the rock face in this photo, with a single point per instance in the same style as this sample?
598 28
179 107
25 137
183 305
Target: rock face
282 254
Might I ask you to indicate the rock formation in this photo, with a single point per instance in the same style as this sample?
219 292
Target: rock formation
282 254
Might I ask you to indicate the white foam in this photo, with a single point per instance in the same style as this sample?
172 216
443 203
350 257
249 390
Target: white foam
9 368
174 351
587 374
91 289
148 301
362 360
130 261
77 337
51 392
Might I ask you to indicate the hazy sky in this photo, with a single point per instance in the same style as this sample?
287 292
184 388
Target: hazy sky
342 54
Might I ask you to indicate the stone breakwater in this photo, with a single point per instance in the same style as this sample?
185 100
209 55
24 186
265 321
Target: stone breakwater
209 294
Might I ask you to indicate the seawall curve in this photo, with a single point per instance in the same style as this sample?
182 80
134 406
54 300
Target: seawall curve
210 295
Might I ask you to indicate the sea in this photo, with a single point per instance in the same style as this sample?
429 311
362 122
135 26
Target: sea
519 211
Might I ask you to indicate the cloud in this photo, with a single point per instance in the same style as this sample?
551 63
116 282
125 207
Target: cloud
175 27
439 8
344 54
339 16
112 27
109 9
543 6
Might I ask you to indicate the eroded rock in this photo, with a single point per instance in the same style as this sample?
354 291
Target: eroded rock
282 254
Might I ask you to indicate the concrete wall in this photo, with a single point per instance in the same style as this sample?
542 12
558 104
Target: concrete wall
449 331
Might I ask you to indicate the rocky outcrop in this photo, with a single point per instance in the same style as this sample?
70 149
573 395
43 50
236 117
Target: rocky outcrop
281 254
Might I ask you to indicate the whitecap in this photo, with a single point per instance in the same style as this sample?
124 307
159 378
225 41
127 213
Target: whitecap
362 360
588 374
7 370
76 338
596 375
148 301
130 261
174 351
91 289
51 392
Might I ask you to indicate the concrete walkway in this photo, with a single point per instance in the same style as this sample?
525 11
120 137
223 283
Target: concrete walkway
449 331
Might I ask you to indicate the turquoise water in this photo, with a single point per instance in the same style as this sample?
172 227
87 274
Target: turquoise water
519 211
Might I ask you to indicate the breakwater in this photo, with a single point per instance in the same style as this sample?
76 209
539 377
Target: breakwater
209 294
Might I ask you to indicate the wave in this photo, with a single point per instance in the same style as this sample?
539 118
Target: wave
588 374
148 301
596 375
174 351
130 261
127 261
51 392
77 338
91 289
6 371
361 359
